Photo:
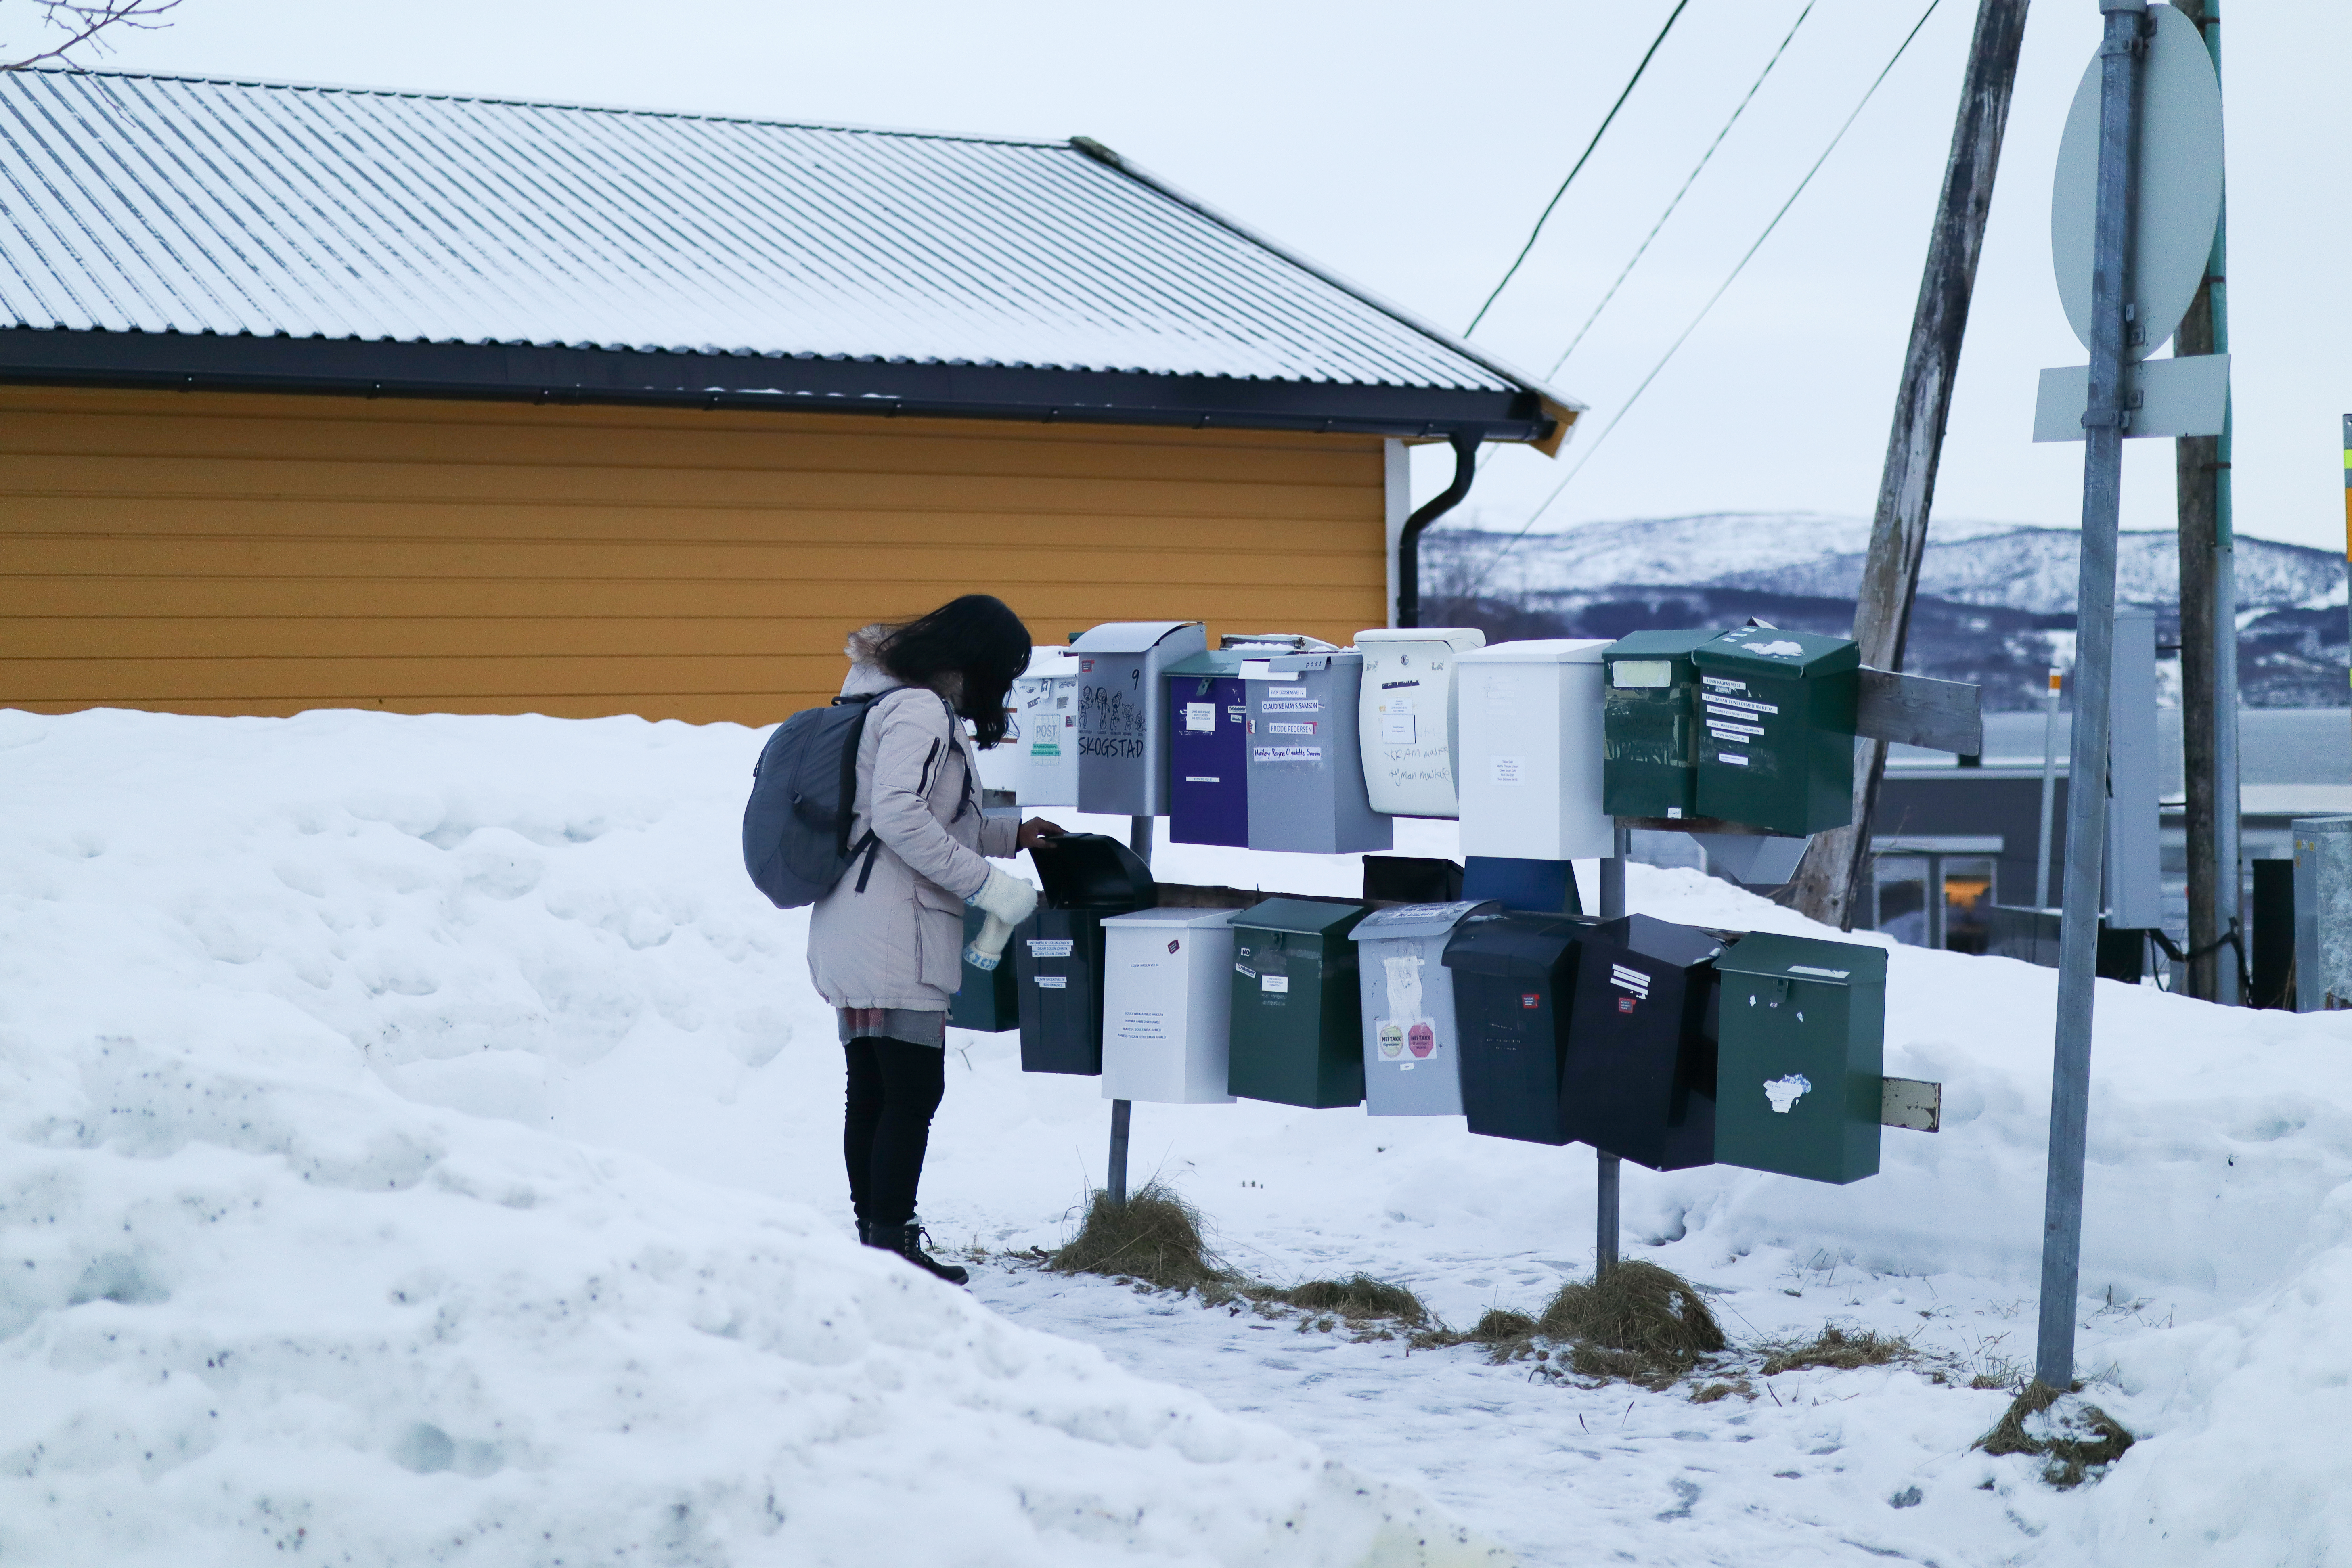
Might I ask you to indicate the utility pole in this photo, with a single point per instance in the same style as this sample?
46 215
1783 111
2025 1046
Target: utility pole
1835 863
1611 1168
2209 630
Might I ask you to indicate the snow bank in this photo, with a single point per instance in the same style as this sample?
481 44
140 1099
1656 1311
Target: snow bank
254 1300
359 923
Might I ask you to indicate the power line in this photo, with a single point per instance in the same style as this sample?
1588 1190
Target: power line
1626 407
1697 169
1544 216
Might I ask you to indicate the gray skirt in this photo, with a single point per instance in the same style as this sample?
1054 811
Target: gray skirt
915 1025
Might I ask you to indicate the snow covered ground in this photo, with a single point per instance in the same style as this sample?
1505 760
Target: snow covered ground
418 1142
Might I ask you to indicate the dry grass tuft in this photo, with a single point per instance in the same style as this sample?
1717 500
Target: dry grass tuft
1842 1349
1652 1314
1154 1236
1500 1325
1357 1297
2074 1443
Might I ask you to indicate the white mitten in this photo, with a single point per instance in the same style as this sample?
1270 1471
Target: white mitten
1007 900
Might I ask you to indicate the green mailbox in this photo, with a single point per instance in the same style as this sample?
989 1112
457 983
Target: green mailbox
990 1000
1801 1056
1649 721
1298 1036
1776 741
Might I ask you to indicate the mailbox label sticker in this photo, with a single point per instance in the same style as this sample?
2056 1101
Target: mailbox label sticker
1054 947
1824 974
1398 730
1287 754
1305 727
1421 1039
1279 984
1733 758
1289 702
1631 979
1511 771
1530 999
1784 1092
1200 717
1053 983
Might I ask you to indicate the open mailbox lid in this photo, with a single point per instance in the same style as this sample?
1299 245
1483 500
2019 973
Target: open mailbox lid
1130 636
1770 955
1093 872
1422 919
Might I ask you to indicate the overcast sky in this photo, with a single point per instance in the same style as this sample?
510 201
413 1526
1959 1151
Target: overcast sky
1410 148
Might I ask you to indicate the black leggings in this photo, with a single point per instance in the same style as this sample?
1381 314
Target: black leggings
894 1087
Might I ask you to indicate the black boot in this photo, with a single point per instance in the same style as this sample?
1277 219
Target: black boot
907 1241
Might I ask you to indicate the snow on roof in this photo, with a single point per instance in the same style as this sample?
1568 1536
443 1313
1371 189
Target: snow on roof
163 205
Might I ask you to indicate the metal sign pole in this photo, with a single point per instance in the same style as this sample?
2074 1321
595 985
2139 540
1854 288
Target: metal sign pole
1122 1111
1605 1201
2049 794
2103 423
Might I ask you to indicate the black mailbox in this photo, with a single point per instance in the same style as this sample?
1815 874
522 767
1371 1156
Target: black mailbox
1639 1081
1057 952
989 1001
1514 983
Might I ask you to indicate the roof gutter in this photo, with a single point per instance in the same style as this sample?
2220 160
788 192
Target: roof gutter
1559 410
1465 468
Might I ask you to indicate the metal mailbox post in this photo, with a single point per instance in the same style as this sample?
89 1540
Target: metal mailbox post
989 999
1296 1020
1639 1081
1649 724
1514 983
1412 1043
1408 717
1167 1018
2323 913
1208 749
1306 763
1777 711
1057 952
1123 712
1530 777
1801 1056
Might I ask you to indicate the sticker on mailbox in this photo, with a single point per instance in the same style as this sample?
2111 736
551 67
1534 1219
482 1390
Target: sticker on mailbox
1053 983
1050 947
1530 999
1511 770
1279 984
1289 702
1286 754
1784 1092
1305 727
1200 716
1392 1040
1397 729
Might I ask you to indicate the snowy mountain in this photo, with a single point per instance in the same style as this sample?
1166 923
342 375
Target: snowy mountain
1996 599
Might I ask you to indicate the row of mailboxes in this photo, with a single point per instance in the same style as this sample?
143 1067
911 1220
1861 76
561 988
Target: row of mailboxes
1648 1040
1536 745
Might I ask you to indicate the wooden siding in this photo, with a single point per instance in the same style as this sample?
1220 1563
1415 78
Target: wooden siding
226 553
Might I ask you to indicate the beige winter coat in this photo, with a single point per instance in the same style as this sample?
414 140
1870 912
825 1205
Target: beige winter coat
899 942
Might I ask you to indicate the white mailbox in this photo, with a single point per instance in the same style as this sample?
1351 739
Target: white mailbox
1039 759
1530 775
1167 1006
1408 719
1123 712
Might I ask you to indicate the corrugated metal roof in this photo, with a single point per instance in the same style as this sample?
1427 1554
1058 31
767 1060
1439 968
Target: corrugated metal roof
159 204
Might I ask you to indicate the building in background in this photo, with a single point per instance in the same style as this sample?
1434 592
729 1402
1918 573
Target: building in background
330 398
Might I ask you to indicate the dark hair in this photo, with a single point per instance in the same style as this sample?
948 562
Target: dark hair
977 638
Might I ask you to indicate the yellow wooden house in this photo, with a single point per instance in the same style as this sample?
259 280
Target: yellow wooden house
323 399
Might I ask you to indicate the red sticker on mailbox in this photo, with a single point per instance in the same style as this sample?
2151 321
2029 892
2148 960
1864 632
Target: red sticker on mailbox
1530 999
1421 1039
1624 1003
1173 944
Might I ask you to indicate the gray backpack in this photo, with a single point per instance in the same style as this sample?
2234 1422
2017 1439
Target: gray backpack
804 796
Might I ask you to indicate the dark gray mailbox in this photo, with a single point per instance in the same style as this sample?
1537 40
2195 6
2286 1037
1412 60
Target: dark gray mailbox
1514 981
1640 1077
990 1000
1800 1058
1057 952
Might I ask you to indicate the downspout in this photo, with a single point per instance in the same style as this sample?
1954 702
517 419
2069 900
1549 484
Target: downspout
1465 468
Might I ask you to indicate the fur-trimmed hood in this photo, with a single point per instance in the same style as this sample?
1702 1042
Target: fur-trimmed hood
863 651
